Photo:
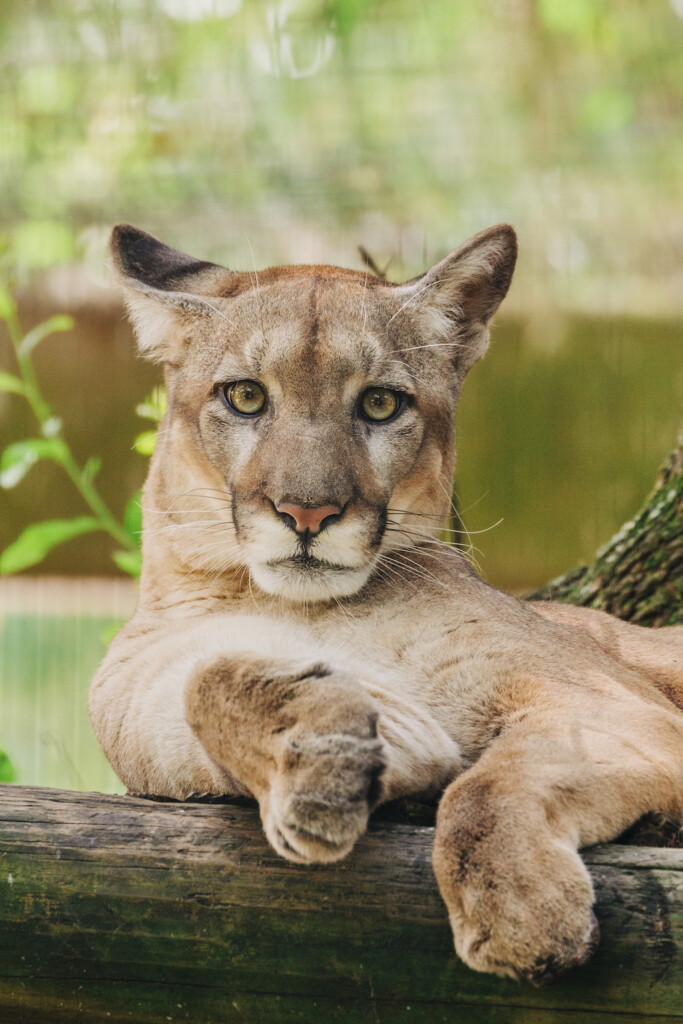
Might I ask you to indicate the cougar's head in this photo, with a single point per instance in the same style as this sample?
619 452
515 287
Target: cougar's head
310 409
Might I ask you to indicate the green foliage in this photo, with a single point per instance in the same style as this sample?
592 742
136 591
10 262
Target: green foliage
132 517
154 409
17 458
145 442
8 382
129 561
51 326
7 770
38 539
403 126
154 406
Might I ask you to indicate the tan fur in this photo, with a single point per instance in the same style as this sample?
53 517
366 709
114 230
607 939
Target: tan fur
369 662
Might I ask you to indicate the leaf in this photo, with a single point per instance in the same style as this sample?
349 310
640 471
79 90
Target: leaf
91 468
132 517
39 539
51 326
110 631
145 443
52 426
154 406
128 561
17 459
8 382
7 772
8 308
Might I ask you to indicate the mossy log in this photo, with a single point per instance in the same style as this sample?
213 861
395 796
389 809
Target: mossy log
638 574
120 909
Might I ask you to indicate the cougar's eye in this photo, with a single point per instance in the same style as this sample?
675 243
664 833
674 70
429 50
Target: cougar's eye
379 404
246 397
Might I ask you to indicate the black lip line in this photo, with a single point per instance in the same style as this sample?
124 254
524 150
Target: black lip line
307 561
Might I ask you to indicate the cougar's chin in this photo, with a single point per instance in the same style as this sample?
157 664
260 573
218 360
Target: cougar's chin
304 579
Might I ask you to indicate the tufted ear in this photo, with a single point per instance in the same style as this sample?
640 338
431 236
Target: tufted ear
164 290
456 299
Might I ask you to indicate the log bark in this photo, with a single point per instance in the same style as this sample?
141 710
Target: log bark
638 574
119 909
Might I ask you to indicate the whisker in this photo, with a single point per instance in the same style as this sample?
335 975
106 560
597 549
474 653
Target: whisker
418 570
412 298
419 540
392 580
446 529
206 302
436 344
208 523
396 576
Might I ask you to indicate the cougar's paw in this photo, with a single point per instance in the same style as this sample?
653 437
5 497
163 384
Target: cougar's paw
534 949
520 904
302 737
326 784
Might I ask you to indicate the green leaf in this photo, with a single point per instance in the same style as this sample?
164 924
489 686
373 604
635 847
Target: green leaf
128 561
132 517
7 772
51 426
51 326
17 459
154 406
39 539
8 382
145 443
8 308
110 631
91 468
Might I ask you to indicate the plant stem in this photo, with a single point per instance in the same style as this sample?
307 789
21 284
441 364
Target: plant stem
42 412
92 498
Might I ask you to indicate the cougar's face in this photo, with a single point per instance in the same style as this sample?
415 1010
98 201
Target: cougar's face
313 424
310 422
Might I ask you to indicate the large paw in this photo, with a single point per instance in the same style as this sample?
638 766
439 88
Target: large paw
501 931
300 736
324 789
520 901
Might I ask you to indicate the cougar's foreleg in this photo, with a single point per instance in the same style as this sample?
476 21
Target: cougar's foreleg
193 708
508 830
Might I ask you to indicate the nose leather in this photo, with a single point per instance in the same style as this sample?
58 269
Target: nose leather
308 518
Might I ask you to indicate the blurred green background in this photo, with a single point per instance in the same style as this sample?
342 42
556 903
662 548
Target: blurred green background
253 133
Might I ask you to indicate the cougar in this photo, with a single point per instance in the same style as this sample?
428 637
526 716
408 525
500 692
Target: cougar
305 637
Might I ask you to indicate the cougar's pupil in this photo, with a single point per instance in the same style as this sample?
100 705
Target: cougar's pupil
246 397
380 403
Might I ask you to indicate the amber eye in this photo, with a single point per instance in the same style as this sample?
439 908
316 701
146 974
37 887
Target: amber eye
246 397
380 404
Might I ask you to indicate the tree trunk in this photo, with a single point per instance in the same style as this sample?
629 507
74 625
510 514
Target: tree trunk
121 909
638 574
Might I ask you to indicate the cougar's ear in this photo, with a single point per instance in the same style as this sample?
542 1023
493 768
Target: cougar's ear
164 290
456 299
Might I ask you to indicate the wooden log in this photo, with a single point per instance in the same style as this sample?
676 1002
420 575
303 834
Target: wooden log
121 909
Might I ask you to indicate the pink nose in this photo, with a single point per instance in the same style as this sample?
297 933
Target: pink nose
308 518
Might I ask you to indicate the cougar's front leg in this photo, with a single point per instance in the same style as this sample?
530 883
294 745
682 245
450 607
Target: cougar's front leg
302 738
508 830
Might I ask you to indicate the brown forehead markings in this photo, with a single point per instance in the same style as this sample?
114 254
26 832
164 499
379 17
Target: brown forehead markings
314 316
240 282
